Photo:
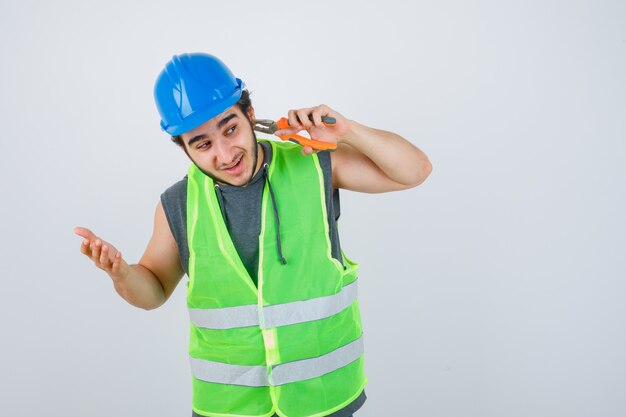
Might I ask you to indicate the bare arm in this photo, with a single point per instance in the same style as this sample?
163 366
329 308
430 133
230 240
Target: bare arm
149 283
366 159
375 161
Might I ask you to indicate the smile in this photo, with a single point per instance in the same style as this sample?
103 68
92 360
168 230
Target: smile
232 168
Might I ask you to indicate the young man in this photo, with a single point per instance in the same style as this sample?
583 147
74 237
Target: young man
275 326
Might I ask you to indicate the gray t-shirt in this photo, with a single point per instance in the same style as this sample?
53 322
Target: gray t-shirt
241 208
242 213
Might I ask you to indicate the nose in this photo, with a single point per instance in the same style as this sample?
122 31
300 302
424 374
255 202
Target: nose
223 154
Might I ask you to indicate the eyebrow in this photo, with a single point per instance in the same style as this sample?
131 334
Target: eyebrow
220 125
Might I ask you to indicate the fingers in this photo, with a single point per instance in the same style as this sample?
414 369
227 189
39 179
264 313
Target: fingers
287 132
316 115
88 244
84 232
312 119
103 255
95 247
294 122
301 119
307 118
303 116
84 247
105 260
117 263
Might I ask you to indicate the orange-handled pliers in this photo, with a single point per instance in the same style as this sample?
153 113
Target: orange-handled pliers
271 126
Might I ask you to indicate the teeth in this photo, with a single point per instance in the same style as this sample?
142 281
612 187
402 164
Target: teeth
234 165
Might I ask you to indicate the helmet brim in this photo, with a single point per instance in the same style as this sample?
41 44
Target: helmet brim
199 117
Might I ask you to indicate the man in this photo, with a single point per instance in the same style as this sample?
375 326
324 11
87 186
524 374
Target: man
275 326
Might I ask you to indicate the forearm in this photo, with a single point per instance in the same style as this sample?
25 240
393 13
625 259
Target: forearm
140 287
398 158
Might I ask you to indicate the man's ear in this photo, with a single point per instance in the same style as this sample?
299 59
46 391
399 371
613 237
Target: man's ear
251 114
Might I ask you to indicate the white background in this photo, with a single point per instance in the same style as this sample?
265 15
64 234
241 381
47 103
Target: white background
494 289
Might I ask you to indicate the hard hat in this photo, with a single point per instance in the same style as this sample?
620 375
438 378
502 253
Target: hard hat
194 88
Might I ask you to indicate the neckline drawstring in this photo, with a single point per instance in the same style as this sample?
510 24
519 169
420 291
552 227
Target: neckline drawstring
281 258
220 197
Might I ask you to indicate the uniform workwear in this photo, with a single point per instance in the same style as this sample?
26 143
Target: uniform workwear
293 345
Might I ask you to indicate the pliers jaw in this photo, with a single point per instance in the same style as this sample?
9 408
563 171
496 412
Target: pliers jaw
265 126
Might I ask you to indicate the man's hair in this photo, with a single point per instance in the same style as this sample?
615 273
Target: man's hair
243 103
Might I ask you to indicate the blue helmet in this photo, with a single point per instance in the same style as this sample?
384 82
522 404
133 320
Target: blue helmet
194 88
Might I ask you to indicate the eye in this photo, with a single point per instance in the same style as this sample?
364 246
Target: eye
231 130
204 145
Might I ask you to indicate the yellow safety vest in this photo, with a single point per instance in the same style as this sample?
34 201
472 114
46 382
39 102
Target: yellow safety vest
293 346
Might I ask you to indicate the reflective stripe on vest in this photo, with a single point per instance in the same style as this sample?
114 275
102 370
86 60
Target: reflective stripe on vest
224 373
314 367
256 376
225 318
276 315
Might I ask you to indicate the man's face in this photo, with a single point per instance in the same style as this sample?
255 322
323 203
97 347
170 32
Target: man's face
225 147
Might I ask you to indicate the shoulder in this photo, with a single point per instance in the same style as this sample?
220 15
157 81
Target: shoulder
174 200
175 191
174 203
